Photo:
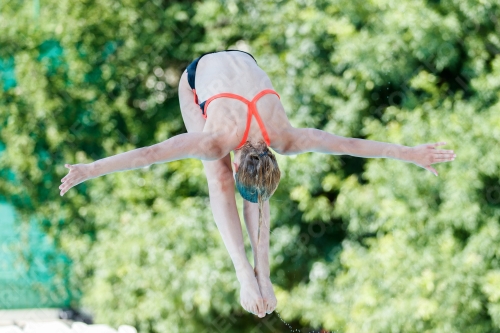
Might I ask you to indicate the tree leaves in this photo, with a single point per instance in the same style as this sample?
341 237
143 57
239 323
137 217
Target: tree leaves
355 243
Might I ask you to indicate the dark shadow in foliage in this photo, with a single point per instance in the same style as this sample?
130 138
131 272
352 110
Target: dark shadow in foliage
316 240
490 192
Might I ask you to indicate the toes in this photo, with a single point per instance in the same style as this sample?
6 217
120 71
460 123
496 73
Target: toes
246 307
265 305
261 306
271 305
255 310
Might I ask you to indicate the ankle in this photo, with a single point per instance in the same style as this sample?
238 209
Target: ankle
244 272
261 264
262 271
260 255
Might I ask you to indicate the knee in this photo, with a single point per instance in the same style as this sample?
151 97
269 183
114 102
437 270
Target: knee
220 179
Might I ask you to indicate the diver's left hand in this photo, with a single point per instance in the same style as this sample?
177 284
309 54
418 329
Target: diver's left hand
78 173
426 154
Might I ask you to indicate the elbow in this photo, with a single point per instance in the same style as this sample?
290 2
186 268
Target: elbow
149 155
350 146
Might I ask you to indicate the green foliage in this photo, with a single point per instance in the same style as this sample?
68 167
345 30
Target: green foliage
357 245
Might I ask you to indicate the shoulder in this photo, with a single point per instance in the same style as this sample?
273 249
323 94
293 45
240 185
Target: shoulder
284 139
281 132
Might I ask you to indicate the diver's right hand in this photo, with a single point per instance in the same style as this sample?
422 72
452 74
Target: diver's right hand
78 173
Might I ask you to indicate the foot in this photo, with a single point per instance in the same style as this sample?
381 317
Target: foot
250 296
267 292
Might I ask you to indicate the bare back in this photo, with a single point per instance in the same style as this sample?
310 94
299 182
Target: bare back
238 73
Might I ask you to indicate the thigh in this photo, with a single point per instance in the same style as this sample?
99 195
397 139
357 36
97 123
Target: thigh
191 112
219 170
194 122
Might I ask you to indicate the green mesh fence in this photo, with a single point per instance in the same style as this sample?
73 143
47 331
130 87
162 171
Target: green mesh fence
32 272
28 266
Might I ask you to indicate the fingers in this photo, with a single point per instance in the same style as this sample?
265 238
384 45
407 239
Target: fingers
431 169
442 154
65 187
71 179
442 151
432 145
67 178
442 157
67 181
70 167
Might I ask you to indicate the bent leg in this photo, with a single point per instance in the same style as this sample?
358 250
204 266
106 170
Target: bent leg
223 202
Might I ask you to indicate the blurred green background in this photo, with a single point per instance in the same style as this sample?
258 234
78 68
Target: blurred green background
357 245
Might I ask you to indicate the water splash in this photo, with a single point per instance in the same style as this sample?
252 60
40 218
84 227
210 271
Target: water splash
298 330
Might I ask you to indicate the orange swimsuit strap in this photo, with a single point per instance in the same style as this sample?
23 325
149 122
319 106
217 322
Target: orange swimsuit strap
252 111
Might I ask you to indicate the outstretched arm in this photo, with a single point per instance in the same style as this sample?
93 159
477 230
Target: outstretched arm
201 145
303 140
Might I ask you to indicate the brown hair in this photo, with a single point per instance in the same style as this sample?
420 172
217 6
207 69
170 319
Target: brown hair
258 175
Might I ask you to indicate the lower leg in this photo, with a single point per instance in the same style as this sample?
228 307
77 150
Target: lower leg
260 248
224 211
